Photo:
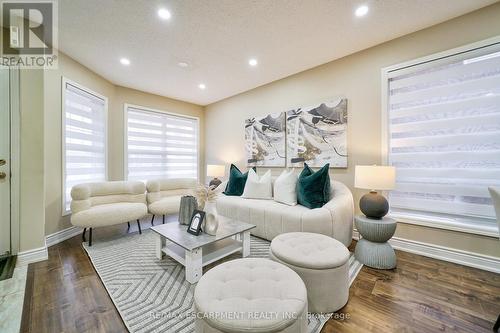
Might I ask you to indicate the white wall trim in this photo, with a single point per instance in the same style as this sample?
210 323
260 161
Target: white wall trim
31 256
460 257
41 253
465 258
465 226
443 54
15 160
62 235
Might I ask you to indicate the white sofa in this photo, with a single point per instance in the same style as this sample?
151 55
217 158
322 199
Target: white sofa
164 195
334 219
107 203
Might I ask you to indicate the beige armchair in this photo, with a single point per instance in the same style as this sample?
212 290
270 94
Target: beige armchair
164 195
107 203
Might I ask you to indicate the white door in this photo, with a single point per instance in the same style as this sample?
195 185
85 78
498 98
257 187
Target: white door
4 161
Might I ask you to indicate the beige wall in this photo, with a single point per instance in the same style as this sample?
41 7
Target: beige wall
31 224
357 77
117 96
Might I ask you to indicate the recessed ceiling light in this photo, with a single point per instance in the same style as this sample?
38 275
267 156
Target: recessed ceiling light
253 62
361 11
125 61
202 86
164 14
182 64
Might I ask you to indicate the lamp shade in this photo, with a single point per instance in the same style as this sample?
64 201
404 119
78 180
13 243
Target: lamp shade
215 170
375 177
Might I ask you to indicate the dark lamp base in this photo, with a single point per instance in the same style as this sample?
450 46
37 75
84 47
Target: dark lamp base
374 205
215 182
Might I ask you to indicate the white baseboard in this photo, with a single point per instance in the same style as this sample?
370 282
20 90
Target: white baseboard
465 258
41 253
62 235
30 256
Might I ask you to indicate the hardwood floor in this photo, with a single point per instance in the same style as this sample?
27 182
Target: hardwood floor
65 294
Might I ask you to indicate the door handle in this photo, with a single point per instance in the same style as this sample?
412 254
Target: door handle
3 175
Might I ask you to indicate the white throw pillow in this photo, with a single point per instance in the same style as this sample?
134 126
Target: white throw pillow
285 188
258 187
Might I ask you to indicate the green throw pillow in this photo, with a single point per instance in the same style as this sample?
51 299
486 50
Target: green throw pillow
313 188
237 181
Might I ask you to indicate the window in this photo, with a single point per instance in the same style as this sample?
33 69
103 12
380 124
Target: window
160 145
83 138
443 125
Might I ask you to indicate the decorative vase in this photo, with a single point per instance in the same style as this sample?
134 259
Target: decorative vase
211 223
188 206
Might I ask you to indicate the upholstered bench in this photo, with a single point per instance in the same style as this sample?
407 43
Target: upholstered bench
107 203
164 195
250 295
323 264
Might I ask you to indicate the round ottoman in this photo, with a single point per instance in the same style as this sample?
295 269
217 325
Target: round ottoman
323 264
250 295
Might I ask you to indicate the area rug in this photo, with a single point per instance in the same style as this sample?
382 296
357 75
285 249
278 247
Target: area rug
152 295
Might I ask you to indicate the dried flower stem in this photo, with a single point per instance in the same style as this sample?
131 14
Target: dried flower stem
205 194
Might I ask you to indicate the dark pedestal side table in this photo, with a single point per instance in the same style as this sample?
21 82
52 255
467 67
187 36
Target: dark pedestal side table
372 249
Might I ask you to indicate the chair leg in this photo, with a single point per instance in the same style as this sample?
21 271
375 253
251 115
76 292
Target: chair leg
163 218
83 234
139 226
153 219
90 236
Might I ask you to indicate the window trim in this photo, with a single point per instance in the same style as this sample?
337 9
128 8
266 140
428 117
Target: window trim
162 112
64 82
439 221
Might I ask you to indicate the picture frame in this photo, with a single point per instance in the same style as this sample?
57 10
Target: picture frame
196 221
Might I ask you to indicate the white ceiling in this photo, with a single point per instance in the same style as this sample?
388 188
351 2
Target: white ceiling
217 38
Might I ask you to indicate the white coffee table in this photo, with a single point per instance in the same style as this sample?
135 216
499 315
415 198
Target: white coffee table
195 252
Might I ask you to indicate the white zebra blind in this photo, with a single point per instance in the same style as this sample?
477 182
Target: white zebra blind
444 135
161 145
84 139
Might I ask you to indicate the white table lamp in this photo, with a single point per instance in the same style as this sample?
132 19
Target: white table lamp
373 178
215 170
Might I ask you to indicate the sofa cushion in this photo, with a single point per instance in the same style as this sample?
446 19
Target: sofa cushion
166 205
109 214
258 187
272 218
309 250
313 188
237 180
285 188
87 190
169 184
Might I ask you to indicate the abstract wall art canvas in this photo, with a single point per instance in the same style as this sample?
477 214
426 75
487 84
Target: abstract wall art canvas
265 140
318 135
